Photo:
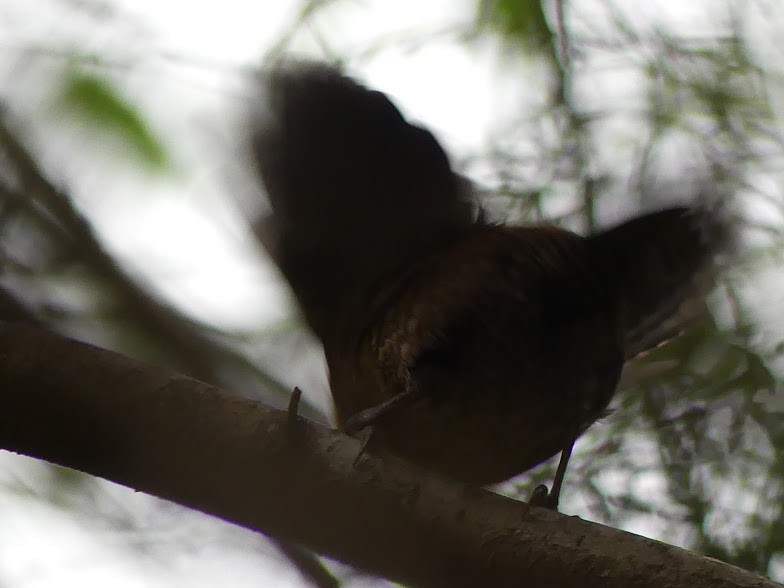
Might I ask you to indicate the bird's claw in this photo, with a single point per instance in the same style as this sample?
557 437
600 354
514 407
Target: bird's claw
543 498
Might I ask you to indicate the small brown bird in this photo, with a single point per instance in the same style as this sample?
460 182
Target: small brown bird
473 349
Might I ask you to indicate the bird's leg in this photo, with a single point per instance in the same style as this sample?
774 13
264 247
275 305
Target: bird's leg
292 414
292 410
541 496
366 418
365 444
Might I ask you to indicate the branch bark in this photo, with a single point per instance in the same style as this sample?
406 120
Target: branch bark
183 440
190 346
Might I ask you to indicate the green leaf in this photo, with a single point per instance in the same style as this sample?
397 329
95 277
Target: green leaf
96 102
522 21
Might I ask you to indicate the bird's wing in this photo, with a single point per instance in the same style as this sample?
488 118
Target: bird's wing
357 192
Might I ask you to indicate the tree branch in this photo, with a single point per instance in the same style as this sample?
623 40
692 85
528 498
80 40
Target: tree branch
177 438
201 353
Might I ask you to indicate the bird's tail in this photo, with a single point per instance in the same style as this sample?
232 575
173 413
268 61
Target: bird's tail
661 266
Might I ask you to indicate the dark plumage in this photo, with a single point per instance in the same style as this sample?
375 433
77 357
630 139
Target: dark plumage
503 343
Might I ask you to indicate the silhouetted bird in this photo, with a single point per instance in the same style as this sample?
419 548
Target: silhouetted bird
473 349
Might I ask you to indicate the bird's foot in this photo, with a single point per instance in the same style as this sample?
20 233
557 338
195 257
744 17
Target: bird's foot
292 412
549 498
543 498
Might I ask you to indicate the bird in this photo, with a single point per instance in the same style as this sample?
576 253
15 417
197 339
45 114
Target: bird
474 349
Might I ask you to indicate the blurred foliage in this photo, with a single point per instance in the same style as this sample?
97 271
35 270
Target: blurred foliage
518 21
637 113
695 455
96 102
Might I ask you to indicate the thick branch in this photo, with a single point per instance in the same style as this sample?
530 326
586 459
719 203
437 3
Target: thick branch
190 346
183 440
